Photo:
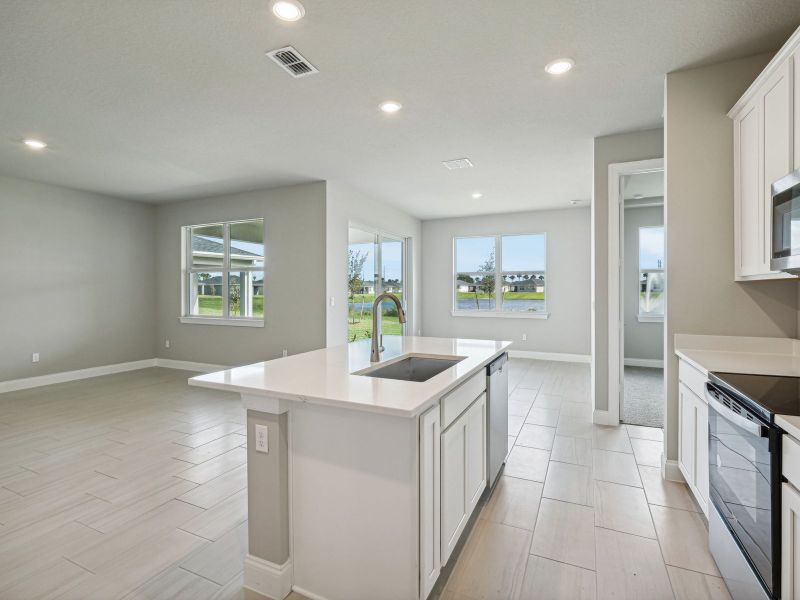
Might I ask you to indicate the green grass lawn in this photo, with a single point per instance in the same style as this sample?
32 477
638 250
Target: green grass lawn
359 326
212 306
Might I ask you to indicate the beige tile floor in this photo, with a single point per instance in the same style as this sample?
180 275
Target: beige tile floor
581 511
133 486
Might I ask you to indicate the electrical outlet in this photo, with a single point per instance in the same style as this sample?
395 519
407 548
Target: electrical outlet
333 301
524 337
262 439
285 353
166 343
35 357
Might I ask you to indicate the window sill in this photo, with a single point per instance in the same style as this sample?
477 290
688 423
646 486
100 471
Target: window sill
223 321
650 318
491 314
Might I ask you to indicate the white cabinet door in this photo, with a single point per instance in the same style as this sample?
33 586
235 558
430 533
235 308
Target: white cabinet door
790 543
701 453
778 144
476 453
748 198
686 431
454 502
430 507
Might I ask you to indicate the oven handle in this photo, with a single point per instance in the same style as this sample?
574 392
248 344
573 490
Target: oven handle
753 427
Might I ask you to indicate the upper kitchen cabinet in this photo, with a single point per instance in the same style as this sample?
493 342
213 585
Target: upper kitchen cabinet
766 147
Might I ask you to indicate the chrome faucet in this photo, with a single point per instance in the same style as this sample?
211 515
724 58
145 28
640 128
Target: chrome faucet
377 346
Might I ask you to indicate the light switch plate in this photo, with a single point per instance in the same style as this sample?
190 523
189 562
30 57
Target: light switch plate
262 439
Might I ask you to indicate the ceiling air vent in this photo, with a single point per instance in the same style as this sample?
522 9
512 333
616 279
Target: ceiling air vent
458 163
291 61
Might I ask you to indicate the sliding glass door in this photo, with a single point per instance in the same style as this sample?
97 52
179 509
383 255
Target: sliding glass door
376 263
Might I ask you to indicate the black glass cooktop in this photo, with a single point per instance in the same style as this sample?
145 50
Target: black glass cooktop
774 394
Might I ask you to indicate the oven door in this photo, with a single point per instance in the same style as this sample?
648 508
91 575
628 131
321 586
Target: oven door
742 477
786 223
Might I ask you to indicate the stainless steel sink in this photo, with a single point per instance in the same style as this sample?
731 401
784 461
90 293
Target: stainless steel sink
413 368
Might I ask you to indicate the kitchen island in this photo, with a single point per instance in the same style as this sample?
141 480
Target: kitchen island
367 481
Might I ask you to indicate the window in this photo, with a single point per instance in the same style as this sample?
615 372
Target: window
223 273
652 285
376 263
502 275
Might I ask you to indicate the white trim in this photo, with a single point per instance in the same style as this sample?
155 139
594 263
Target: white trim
554 356
235 322
267 578
307 594
616 216
25 383
488 314
650 318
670 471
603 417
185 365
652 363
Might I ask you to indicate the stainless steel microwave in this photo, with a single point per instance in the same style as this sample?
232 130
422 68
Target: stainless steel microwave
786 224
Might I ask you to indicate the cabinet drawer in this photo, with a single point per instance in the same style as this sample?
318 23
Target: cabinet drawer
457 401
791 460
692 379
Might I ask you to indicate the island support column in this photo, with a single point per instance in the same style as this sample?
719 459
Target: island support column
268 565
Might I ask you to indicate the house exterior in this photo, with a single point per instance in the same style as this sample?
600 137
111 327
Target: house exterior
534 284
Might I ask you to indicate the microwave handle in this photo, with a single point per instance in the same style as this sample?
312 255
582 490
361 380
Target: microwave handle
753 427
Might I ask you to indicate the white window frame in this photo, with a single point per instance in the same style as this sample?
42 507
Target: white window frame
187 269
378 258
647 317
498 311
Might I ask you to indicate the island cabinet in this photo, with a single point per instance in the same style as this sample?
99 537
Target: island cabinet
766 141
693 431
452 473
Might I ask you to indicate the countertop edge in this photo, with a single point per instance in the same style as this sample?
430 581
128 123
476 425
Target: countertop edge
350 405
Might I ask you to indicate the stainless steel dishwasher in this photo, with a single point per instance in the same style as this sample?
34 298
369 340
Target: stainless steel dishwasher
497 410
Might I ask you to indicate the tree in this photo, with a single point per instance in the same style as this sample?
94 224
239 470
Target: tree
487 285
355 264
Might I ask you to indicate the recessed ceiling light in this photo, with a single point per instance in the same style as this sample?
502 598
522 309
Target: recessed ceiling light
559 66
477 195
390 106
574 202
637 196
288 10
35 144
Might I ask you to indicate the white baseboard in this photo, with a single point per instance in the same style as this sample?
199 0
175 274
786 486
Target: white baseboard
13 385
671 471
603 417
267 578
185 365
556 356
307 594
653 363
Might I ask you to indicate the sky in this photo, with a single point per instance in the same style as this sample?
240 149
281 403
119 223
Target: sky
520 252
392 254
651 247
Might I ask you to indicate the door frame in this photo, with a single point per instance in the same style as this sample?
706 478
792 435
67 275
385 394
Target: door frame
616 308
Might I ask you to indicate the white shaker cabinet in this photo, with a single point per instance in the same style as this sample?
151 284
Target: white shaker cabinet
790 520
463 472
693 432
766 142
430 508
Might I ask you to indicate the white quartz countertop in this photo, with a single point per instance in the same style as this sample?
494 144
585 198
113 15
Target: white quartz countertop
327 376
756 356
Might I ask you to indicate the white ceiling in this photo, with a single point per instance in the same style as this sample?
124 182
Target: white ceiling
172 99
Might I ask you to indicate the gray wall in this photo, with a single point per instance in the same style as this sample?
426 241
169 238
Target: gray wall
642 340
625 147
702 295
294 275
568 276
344 206
77 272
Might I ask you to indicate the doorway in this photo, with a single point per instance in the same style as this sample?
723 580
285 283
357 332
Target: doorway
376 263
639 290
